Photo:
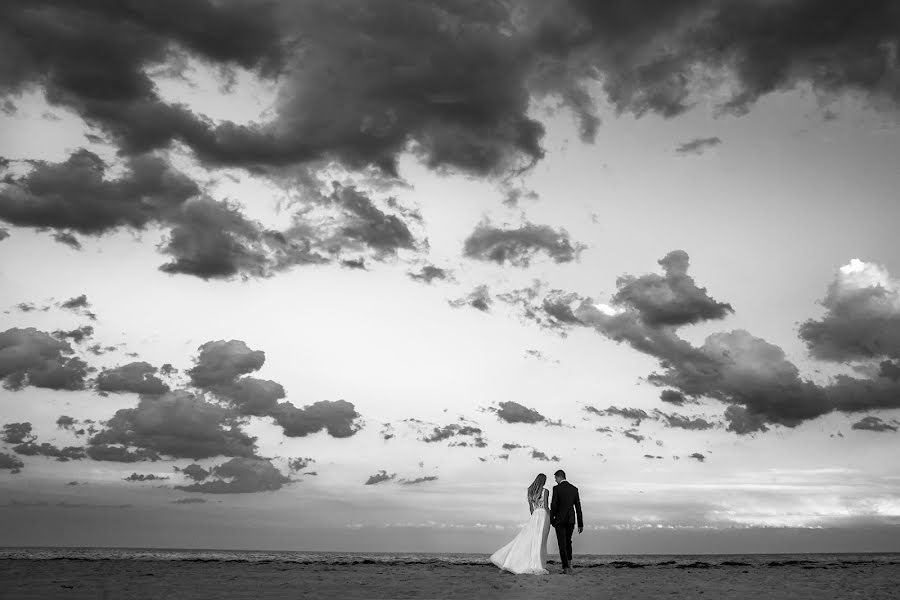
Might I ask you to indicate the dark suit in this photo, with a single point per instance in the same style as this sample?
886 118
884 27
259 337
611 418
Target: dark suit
565 512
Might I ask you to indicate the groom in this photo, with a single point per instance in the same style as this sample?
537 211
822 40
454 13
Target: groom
564 509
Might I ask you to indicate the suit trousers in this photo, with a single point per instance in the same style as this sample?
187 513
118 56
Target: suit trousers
564 540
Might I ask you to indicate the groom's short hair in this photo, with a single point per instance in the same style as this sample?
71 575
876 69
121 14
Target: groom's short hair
560 473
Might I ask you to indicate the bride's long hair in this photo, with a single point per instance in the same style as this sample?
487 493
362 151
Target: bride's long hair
539 482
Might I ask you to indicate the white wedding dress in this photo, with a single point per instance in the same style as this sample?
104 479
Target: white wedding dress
527 552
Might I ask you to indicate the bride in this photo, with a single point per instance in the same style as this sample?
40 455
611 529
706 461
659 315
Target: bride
527 552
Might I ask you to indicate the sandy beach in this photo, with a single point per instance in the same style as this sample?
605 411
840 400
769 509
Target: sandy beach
140 580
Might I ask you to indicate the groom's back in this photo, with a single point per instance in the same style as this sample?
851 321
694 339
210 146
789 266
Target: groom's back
565 496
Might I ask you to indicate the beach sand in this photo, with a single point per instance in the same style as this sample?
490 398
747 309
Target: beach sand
133 580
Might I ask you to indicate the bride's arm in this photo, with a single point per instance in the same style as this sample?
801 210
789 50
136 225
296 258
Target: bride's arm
530 504
546 499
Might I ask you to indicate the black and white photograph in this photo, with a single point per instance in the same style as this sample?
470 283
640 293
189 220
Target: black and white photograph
524 299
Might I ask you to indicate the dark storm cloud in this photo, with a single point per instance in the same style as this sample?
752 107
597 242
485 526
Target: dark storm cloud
35 358
193 471
697 456
513 412
178 424
889 370
77 335
8 461
862 316
671 299
240 475
683 422
67 239
16 433
450 81
519 246
429 273
418 480
141 477
479 298
698 145
77 195
135 377
871 423
633 414
379 477
4 233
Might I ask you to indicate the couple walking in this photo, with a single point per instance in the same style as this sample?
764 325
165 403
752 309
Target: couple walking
527 552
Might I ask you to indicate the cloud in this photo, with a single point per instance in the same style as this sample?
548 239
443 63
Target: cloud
453 430
367 226
479 298
862 316
551 310
299 463
77 335
4 233
632 433
871 423
538 455
513 412
76 302
8 461
66 422
419 480
30 448
189 501
193 471
429 273
683 422
672 299
179 424
77 195
135 377
212 239
17 433
698 145
67 239
698 457
112 453
672 397
240 475
634 414
379 477
519 246
141 477
32 357
221 362
339 418
218 369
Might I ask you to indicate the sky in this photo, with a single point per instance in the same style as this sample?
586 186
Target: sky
347 276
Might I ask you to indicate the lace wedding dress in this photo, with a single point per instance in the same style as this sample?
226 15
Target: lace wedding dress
527 552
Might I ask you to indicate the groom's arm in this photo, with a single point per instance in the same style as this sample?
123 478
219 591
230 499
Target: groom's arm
578 512
554 506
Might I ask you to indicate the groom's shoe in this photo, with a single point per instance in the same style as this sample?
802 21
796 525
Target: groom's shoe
567 571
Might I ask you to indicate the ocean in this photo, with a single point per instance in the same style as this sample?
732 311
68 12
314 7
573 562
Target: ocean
668 561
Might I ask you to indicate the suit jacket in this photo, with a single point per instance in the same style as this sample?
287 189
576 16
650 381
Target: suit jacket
566 505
